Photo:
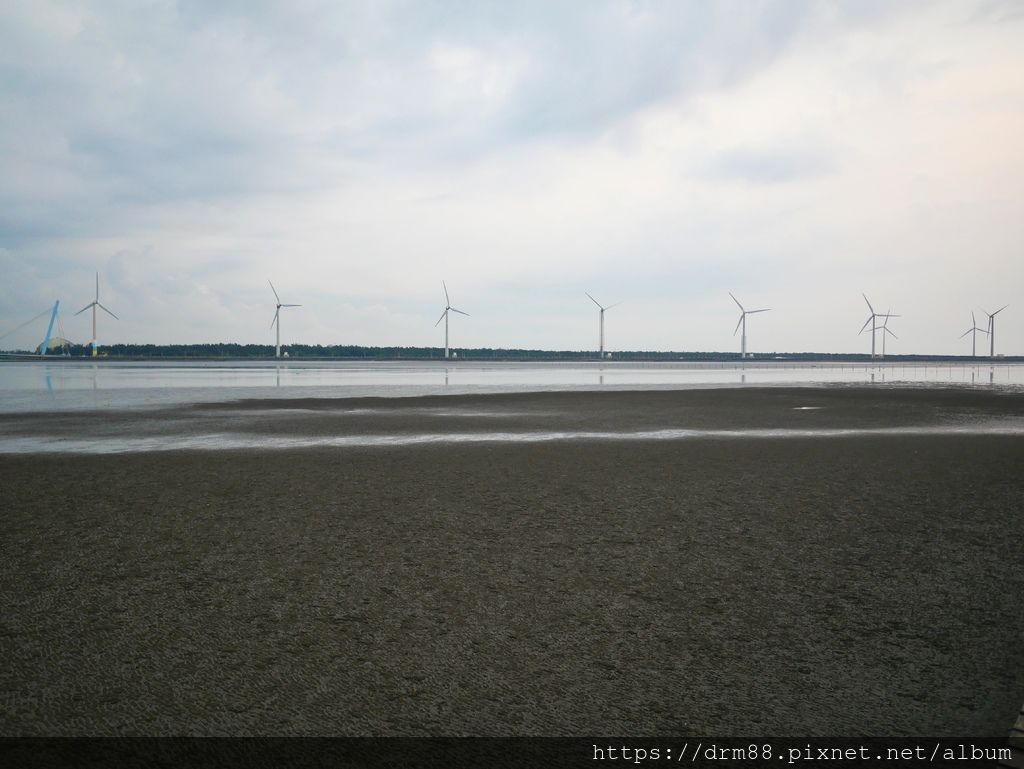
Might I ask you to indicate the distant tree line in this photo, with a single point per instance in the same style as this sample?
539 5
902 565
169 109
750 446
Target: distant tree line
232 350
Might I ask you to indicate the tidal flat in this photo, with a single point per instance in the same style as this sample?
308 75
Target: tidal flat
791 561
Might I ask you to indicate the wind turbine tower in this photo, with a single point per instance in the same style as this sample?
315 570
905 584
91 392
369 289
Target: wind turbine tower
601 309
444 316
885 329
992 330
973 331
94 304
277 318
743 322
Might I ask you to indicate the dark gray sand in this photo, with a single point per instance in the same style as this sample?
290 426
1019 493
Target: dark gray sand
856 585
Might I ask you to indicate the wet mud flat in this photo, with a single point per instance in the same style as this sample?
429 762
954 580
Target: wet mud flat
864 584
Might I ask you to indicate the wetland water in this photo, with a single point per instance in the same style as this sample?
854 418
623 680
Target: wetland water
62 385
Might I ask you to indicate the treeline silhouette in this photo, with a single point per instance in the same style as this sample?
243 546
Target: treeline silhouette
224 350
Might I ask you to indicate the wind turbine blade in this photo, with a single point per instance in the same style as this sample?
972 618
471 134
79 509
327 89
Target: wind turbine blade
291 305
869 303
612 305
85 308
592 299
108 312
1000 310
98 288
985 311
738 324
869 320
460 312
276 312
447 301
974 321
737 302
766 309
441 318
889 332
275 292
967 332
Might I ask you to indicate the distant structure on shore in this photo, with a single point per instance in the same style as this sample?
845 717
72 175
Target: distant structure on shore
56 343
601 310
743 322
277 318
873 322
973 331
444 316
94 304
992 330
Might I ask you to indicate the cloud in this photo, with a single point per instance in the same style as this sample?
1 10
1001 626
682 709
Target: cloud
770 166
359 153
999 12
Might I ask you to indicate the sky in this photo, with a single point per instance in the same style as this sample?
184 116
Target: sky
654 154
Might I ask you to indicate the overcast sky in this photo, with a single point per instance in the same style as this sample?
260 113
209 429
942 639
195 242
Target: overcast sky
655 154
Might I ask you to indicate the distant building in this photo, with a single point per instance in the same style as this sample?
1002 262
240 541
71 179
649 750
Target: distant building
56 344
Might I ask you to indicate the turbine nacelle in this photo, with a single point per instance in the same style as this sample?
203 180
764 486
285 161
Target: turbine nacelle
96 302
974 326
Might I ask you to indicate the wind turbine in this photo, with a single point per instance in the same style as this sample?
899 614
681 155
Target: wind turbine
444 316
874 326
992 330
94 304
601 308
277 318
743 322
973 331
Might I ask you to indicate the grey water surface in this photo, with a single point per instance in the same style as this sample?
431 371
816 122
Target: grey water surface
63 385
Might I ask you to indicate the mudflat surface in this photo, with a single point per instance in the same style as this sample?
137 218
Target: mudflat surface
862 584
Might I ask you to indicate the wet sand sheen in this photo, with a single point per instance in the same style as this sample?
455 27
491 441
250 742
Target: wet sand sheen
867 585
269 442
530 417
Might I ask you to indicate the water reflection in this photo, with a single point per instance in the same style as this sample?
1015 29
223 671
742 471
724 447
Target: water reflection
148 383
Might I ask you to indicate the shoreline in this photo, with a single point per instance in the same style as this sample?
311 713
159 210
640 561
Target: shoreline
624 357
564 415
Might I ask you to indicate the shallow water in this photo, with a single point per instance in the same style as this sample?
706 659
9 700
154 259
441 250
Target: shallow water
63 385
271 442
